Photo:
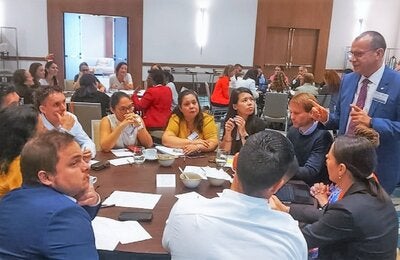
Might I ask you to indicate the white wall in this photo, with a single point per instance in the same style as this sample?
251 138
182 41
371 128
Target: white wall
30 18
378 15
169 32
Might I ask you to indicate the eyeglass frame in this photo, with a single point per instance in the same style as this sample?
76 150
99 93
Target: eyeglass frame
357 55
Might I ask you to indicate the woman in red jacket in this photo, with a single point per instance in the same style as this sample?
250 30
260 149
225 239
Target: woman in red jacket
220 95
156 101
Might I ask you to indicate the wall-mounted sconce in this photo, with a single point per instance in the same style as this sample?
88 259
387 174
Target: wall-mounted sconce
201 28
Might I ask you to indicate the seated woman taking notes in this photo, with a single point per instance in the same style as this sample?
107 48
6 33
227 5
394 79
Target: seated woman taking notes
123 127
189 128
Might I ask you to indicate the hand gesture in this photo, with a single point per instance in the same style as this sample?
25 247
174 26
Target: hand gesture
66 120
241 124
318 112
88 198
359 116
229 126
276 204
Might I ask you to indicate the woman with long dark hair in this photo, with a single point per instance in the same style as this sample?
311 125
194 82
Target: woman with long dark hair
240 121
189 128
17 125
23 82
88 92
50 75
37 71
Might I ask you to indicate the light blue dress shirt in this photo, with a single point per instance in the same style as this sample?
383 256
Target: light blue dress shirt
77 131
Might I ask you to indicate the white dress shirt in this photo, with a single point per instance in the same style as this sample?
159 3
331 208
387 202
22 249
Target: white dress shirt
233 226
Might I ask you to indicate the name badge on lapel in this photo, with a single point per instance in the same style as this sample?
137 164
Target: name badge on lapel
193 136
380 97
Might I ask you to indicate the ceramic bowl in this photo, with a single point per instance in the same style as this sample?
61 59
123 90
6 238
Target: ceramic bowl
215 181
190 180
165 160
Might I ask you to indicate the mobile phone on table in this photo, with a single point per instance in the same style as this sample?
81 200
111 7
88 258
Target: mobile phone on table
136 215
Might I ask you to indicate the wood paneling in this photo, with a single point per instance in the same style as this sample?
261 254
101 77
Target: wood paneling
133 9
312 22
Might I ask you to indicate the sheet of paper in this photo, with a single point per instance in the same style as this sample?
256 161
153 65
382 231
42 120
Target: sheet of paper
165 180
106 237
92 162
170 151
190 195
109 232
122 161
131 231
122 152
219 174
133 199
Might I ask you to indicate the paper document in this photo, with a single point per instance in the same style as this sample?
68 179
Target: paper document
133 199
207 171
122 152
190 195
109 232
92 162
122 161
171 151
165 180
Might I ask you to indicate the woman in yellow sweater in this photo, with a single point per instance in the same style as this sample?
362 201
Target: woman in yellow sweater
17 125
189 128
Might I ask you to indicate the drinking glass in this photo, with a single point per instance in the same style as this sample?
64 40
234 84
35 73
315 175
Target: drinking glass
221 157
139 156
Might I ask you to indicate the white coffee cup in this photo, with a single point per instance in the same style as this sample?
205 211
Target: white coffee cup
92 180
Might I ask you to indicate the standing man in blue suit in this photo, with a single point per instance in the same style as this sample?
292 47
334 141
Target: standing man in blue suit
50 216
380 104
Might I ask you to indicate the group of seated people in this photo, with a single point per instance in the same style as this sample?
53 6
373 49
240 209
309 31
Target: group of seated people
44 149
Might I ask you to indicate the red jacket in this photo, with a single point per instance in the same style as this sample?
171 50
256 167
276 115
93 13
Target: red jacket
155 105
220 94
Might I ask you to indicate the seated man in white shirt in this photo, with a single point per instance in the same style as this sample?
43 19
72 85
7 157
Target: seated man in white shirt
50 101
240 223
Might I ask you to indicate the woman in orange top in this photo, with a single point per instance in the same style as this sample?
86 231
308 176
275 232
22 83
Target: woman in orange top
220 95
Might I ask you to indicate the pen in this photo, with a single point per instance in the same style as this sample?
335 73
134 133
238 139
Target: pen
107 206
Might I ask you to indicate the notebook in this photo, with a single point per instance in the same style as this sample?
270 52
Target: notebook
295 193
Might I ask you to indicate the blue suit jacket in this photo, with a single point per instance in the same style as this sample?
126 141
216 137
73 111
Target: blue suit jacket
385 120
37 222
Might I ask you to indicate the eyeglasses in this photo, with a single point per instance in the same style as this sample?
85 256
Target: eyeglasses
358 54
126 109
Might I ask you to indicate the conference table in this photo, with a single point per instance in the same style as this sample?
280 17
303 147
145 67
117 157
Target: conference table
142 178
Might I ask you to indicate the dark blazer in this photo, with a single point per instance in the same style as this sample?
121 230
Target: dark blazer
359 226
37 222
385 120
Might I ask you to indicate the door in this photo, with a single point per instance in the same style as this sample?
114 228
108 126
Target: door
290 48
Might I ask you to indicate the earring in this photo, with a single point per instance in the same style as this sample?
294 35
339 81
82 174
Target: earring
340 177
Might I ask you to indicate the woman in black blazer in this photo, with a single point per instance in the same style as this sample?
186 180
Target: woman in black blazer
362 224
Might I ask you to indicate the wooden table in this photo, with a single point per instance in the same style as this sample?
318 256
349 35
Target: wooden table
142 178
